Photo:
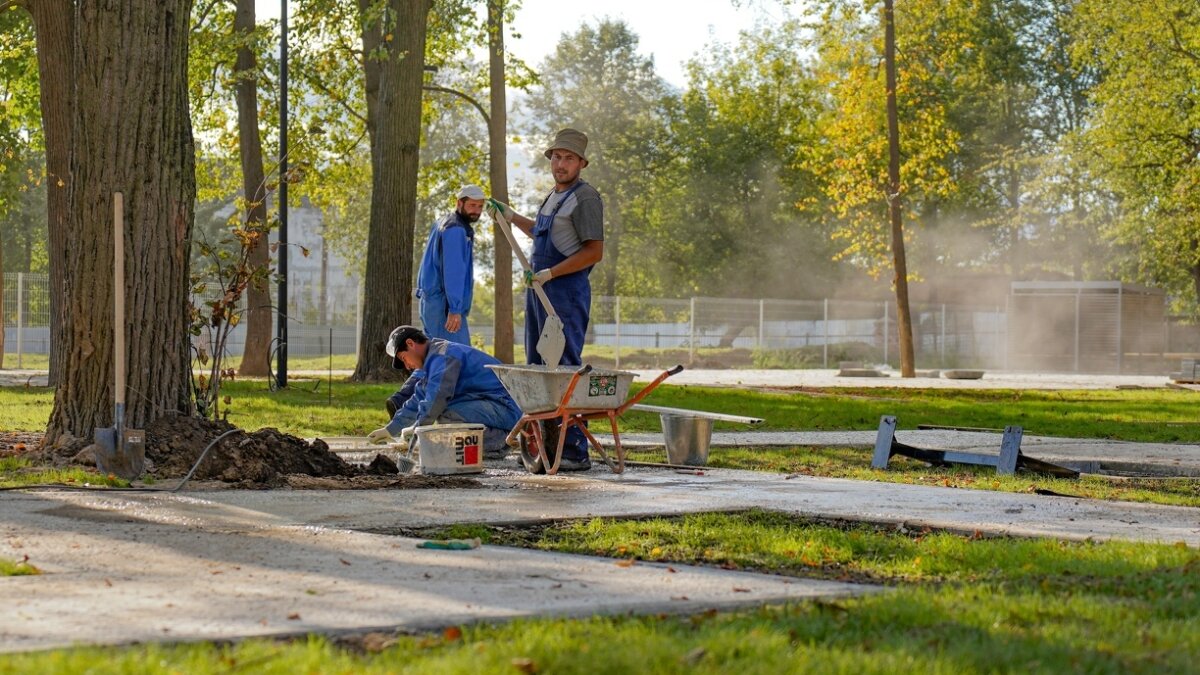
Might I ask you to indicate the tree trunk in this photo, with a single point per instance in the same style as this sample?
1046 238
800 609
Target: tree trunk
502 323
258 300
395 158
1 307
903 315
54 21
132 135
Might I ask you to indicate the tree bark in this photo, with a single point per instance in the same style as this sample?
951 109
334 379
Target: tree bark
1 307
502 323
256 355
132 135
395 147
903 315
54 23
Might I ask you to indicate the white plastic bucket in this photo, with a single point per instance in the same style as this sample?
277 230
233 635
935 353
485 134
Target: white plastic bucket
450 448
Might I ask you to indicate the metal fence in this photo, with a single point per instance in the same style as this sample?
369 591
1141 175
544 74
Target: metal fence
652 332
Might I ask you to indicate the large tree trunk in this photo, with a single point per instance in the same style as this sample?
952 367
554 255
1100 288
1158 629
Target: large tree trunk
395 149
1 307
903 315
502 323
258 300
133 135
54 22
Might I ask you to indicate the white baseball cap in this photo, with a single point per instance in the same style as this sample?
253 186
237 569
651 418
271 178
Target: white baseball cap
471 192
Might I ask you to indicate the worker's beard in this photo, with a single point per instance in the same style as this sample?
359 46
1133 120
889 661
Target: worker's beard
470 217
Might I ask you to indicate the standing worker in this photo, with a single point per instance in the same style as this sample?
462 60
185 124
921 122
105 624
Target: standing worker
568 239
446 279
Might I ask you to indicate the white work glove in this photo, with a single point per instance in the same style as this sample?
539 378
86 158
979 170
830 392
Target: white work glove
407 433
541 277
379 436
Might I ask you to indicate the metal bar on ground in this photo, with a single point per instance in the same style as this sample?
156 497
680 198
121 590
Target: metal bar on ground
20 317
722 417
1006 463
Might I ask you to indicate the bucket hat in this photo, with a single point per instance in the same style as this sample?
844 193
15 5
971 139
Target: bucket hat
572 140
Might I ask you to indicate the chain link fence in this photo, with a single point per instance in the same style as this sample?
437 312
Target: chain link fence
636 332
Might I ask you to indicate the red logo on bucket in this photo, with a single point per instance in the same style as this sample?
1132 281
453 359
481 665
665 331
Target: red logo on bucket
466 450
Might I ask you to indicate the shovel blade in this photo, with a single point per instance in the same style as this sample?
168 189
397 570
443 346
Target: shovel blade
125 459
551 343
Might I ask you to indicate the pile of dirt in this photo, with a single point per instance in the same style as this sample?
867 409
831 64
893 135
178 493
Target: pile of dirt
265 457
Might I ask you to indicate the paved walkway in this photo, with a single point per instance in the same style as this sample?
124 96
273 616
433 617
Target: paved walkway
135 567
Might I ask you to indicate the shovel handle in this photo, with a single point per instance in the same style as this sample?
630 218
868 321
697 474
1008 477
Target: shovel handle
119 300
506 228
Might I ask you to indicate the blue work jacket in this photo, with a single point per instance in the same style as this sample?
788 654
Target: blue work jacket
454 378
448 266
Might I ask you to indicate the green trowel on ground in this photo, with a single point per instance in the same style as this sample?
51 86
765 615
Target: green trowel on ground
551 343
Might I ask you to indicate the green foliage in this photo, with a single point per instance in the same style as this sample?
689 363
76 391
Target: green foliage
596 81
1145 131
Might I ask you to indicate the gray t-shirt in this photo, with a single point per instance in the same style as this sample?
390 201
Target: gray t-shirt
580 219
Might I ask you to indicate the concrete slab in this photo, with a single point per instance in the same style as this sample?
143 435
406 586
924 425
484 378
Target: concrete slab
135 567
1086 454
1089 455
514 496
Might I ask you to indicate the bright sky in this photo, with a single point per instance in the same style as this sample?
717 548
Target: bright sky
670 30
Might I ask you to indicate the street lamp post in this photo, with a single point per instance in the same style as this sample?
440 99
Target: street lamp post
281 334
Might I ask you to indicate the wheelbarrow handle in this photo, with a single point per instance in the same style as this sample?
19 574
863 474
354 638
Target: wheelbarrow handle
587 368
649 388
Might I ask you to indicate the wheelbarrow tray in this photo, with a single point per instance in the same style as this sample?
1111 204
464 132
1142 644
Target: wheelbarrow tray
539 389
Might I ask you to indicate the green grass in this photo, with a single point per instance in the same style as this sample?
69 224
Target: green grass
28 361
957 605
16 471
13 568
855 463
306 408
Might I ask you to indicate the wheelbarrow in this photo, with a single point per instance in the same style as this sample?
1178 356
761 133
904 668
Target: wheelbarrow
571 397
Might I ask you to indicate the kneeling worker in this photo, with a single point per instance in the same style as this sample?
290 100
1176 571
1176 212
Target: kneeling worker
449 385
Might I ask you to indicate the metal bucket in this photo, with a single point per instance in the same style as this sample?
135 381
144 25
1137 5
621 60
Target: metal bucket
687 439
541 388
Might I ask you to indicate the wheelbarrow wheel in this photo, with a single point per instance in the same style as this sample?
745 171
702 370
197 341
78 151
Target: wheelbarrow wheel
530 457
550 431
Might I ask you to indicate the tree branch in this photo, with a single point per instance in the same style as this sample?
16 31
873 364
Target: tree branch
1179 44
446 90
316 82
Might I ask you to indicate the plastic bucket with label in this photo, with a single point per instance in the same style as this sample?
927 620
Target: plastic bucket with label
450 448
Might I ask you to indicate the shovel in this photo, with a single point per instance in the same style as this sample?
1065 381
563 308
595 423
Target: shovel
119 451
551 343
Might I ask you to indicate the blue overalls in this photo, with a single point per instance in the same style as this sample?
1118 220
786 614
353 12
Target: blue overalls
571 297
445 279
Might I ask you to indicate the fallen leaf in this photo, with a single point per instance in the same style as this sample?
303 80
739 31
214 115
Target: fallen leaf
108 582
656 551
344 561
452 633
525 664
376 642
740 590
672 570
681 597
625 563
294 616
